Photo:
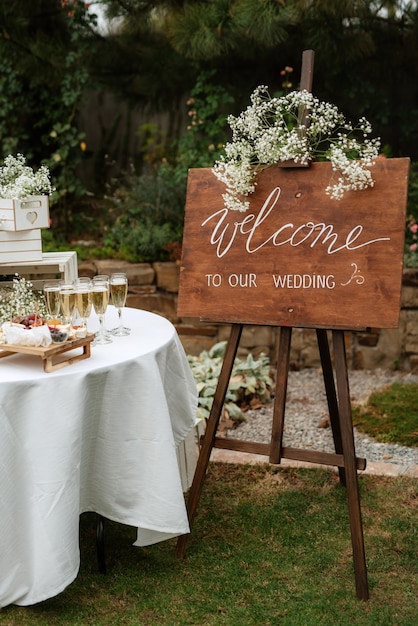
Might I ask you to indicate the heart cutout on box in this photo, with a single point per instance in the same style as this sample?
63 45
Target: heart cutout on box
31 216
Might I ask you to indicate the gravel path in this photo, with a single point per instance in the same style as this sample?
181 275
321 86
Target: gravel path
306 407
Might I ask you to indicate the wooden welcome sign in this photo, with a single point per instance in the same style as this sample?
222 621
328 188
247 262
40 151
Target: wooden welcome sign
297 257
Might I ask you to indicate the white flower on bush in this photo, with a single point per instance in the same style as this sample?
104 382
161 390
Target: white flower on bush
20 299
296 127
18 180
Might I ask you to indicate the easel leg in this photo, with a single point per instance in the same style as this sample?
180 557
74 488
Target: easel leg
210 433
282 375
347 438
334 414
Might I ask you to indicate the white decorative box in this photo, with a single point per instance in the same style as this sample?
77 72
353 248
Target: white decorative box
53 266
25 214
25 245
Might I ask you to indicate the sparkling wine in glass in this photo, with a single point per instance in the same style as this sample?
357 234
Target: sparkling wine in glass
52 298
101 277
100 299
67 297
118 290
83 298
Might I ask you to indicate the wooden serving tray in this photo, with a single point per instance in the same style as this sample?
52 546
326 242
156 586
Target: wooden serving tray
51 356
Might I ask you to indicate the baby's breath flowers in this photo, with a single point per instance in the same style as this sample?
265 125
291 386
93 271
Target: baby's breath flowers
20 299
19 181
296 127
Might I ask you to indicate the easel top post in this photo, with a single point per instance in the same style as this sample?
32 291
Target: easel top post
306 77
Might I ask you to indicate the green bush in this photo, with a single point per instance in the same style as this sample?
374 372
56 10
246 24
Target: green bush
411 235
150 215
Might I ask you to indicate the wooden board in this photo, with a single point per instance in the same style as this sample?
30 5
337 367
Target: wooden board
296 257
52 356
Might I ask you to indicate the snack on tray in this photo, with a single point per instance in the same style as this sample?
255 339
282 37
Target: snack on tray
29 321
19 335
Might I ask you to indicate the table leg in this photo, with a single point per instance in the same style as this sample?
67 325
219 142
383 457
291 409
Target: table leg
100 544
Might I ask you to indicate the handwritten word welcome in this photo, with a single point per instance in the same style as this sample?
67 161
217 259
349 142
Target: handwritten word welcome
225 232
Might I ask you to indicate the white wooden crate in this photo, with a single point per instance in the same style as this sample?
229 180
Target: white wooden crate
23 246
17 215
51 265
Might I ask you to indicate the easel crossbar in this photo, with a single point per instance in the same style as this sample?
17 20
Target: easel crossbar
295 454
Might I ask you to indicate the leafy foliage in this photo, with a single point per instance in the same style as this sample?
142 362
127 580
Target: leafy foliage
250 381
411 235
208 108
202 30
413 192
150 212
43 82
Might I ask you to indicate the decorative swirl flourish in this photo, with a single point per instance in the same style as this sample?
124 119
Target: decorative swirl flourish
356 275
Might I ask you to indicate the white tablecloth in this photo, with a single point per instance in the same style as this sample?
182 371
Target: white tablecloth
99 435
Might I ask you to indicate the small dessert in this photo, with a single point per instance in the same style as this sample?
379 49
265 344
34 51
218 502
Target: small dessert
79 331
54 322
58 335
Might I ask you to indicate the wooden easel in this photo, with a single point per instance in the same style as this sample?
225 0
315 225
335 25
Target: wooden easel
338 398
374 278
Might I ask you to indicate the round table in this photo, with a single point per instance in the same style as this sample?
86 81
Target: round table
98 435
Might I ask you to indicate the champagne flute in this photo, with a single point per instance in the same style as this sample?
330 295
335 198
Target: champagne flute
105 277
100 298
83 298
67 297
118 290
52 298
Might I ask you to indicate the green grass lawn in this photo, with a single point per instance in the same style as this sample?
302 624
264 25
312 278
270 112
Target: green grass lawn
270 546
391 415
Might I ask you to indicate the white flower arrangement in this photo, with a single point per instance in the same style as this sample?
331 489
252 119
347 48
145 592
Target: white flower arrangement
19 181
298 127
20 299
